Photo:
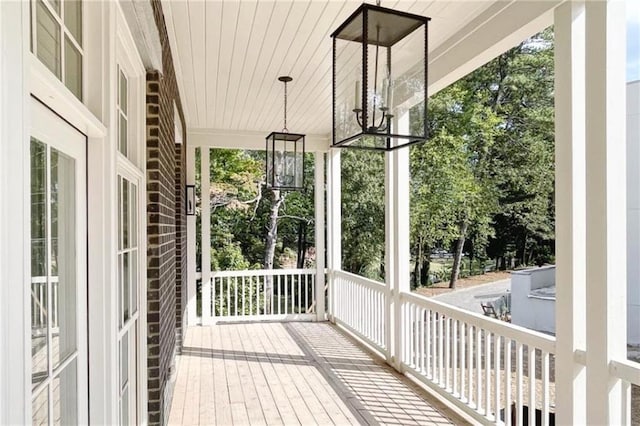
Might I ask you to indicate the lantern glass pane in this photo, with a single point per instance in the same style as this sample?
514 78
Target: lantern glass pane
348 88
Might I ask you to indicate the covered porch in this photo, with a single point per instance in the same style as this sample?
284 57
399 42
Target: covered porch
236 369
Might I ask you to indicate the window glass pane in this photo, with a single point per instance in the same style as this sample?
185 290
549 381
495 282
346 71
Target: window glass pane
73 18
40 408
134 281
125 214
122 137
56 5
119 213
48 39
134 215
39 296
63 256
120 284
124 361
72 68
65 396
124 408
126 288
122 96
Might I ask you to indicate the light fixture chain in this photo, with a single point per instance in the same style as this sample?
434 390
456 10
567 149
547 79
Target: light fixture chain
285 108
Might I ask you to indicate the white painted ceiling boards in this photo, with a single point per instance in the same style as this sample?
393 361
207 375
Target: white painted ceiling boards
229 54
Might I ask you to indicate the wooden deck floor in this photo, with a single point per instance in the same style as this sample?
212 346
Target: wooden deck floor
292 374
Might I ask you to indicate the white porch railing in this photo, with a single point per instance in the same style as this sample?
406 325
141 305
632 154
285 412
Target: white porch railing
494 370
40 314
359 305
250 295
629 372
478 363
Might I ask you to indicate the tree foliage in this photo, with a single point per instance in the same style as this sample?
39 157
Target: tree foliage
481 186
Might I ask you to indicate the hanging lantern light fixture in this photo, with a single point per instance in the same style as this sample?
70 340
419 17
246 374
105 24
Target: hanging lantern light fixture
379 74
285 155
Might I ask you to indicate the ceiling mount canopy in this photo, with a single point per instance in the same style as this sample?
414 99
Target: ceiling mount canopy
373 90
285 154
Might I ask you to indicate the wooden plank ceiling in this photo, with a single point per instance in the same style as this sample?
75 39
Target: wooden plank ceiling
229 54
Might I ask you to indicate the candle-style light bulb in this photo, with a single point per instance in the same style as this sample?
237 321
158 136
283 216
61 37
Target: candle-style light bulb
385 93
358 93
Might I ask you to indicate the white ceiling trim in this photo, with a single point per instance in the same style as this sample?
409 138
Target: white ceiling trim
252 140
492 33
177 67
228 54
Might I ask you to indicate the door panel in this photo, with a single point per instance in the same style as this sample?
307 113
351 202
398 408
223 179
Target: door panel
58 270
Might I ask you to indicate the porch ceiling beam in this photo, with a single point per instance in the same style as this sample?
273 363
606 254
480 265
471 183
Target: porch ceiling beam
235 139
493 32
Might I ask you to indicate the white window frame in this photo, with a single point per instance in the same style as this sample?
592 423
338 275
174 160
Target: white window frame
63 32
133 168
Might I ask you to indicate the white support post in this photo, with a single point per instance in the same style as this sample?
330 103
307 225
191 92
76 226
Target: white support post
319 231
391 330
569 27
606 281
334 222
15 294
191 244
397 260
205 238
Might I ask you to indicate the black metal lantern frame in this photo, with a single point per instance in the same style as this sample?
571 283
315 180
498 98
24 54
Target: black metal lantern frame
372 52
285 155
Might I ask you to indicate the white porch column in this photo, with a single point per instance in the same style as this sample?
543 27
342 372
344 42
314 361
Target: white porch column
15 294
570 211
205 183
397 257
334 222
607 397
191 244
319 219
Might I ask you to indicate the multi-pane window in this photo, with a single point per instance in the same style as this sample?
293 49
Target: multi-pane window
128 280
54 345
123 118
56 39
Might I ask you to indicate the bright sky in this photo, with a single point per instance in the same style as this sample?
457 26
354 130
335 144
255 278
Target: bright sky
633 40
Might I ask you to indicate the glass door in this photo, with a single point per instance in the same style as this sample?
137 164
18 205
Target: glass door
58 271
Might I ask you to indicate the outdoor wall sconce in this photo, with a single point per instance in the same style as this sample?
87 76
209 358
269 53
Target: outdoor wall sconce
285 155
190 204
379 72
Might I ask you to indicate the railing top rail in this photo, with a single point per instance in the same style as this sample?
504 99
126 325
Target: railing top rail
365 281
626 370
523 335
261 272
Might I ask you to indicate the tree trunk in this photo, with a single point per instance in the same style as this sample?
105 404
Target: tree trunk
426 268
270 246
302 240
417 269
455 270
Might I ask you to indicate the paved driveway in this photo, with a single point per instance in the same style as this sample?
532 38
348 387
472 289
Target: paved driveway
470 298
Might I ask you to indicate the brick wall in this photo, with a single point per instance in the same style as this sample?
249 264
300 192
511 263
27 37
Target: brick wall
181 240
166 229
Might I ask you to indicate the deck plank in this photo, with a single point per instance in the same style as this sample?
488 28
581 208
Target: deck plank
292 374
